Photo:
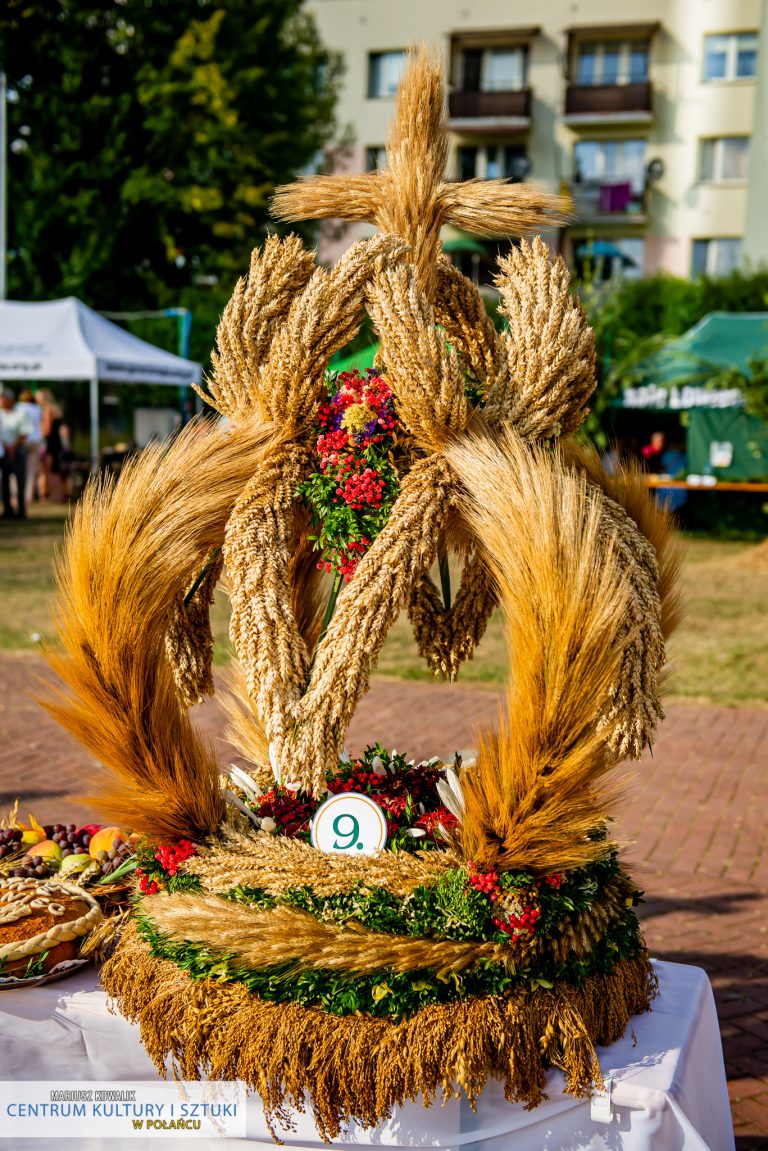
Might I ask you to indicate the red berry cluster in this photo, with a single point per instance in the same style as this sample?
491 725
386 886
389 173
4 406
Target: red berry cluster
517 912
347 561
170 855
486 882
361 487
518 924
555 880
147 886
358 778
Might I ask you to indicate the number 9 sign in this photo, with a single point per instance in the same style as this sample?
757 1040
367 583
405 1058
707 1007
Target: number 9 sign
349 824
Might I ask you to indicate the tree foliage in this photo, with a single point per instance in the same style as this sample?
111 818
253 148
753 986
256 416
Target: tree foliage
147 137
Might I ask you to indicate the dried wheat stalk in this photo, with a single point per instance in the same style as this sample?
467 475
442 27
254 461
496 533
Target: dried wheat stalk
258 307
189 641
257 551
128 554
322 319
549 345
276 865
357 1067
538 789
426 375
460 310
366 610
258 937
410 198
446 639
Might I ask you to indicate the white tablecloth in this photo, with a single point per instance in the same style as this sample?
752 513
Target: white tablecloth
669 1091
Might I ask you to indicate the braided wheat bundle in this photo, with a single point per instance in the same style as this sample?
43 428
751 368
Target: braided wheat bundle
366 610
189 640
550 348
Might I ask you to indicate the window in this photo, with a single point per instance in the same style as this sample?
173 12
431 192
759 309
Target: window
724 158
493 162
494 69
612 62
610 162
375 157
730 57
384 72
716 257
467 163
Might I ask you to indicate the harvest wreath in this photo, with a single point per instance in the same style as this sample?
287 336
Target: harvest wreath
362 932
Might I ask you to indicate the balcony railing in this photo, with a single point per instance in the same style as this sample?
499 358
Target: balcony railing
608 100
491 105
615 198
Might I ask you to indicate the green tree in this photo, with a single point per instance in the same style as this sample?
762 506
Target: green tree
147 138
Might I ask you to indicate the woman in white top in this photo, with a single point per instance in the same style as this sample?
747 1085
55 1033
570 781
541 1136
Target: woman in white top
34 418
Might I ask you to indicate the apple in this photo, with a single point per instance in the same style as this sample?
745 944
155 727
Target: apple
103 840
46 849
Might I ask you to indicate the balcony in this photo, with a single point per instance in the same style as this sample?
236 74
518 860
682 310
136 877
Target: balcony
489 111
609 103
607 202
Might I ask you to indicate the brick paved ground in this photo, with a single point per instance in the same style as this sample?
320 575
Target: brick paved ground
696 816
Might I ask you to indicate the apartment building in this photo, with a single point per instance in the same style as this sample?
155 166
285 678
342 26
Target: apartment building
644 111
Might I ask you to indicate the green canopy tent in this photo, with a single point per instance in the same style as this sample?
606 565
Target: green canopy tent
721 437
360 360
720 340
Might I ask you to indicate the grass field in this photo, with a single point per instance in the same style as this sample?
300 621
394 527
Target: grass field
720 653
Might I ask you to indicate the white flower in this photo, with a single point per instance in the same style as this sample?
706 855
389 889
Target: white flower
268 824
244 781
451 794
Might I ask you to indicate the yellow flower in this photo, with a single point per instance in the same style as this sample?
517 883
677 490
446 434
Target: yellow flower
356 417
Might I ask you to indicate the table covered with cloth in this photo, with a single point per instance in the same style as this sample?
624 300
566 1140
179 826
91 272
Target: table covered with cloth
668 1083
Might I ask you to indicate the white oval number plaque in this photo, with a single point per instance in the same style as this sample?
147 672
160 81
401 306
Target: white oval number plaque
350 823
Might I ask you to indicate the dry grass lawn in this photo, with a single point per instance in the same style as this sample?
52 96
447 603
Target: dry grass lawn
720 653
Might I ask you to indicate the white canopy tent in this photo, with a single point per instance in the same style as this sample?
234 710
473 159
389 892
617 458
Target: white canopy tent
66 340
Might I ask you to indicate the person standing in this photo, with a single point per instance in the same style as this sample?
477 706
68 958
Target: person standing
652 452
55 446
14 430
34 413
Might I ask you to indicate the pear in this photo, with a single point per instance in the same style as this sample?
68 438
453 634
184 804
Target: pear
74 865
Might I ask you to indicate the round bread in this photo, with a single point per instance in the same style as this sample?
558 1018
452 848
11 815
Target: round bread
42 917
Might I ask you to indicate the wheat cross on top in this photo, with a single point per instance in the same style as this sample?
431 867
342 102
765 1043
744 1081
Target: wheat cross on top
411 198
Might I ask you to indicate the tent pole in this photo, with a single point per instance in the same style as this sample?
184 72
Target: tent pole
94 391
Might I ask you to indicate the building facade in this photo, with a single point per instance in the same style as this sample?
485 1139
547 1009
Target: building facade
644 112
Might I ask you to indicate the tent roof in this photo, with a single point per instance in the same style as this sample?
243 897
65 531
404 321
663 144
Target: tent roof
66 340
359 360
719 340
